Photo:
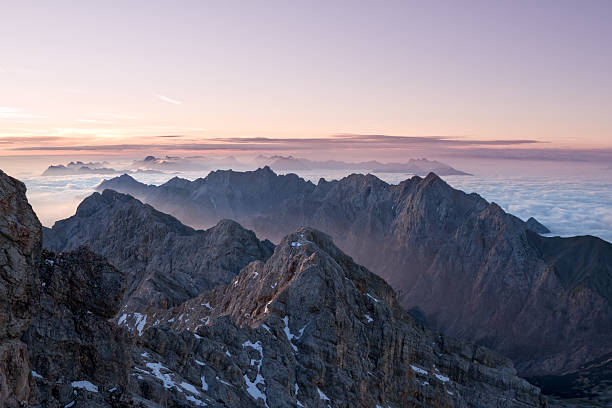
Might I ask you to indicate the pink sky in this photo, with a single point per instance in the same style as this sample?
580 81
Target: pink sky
90 74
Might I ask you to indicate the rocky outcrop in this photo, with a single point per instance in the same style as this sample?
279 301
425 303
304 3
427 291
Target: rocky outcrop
309 327
165 261
473 269
20 245
535 226
77 355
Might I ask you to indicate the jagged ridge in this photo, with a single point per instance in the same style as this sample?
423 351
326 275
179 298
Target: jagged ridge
431 243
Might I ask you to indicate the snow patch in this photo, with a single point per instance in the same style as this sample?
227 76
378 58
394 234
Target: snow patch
368 318
196 401
442 378
165 378
141 320
321 395
291 336
252 388
84 385
189 387
418 370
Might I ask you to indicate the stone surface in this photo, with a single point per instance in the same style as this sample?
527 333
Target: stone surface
475 271
165 261
72 347
535 226
309 327
20 245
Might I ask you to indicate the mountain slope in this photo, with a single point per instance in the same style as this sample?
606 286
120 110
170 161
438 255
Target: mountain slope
165 261
474 270
309 327
355 345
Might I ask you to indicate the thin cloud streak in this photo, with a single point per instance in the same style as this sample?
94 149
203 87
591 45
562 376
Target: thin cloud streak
263 143
431 146
168 99
8 112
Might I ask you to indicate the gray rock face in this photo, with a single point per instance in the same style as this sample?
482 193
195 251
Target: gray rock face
76 354
475 271
535 226
309 327
165 261
20 245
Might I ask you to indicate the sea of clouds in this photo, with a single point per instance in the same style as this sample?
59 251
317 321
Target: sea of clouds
567 205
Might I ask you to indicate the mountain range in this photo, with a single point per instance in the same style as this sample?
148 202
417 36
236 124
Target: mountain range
420 167
79 168
460 264
304 326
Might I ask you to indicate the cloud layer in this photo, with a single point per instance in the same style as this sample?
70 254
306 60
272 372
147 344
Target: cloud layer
343 145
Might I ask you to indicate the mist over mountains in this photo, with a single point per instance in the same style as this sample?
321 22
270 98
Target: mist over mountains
174 164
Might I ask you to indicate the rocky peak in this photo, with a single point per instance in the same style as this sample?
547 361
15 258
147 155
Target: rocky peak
165 261
535 226
341 336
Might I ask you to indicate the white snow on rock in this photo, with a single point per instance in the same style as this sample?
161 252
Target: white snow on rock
368 318
122 319
141 320
418 370
189 387
373 298
442 378
196 401
321 395
156 370
36 375
296 244
84 385
252 388
204 383
291 336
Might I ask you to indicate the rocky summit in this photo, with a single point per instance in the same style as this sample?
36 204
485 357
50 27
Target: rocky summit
165 261
311 328
460 264
304 326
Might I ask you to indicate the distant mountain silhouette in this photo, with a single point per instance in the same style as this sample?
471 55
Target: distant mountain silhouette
419 167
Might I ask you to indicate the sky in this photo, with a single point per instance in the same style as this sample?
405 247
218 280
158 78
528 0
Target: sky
485 79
